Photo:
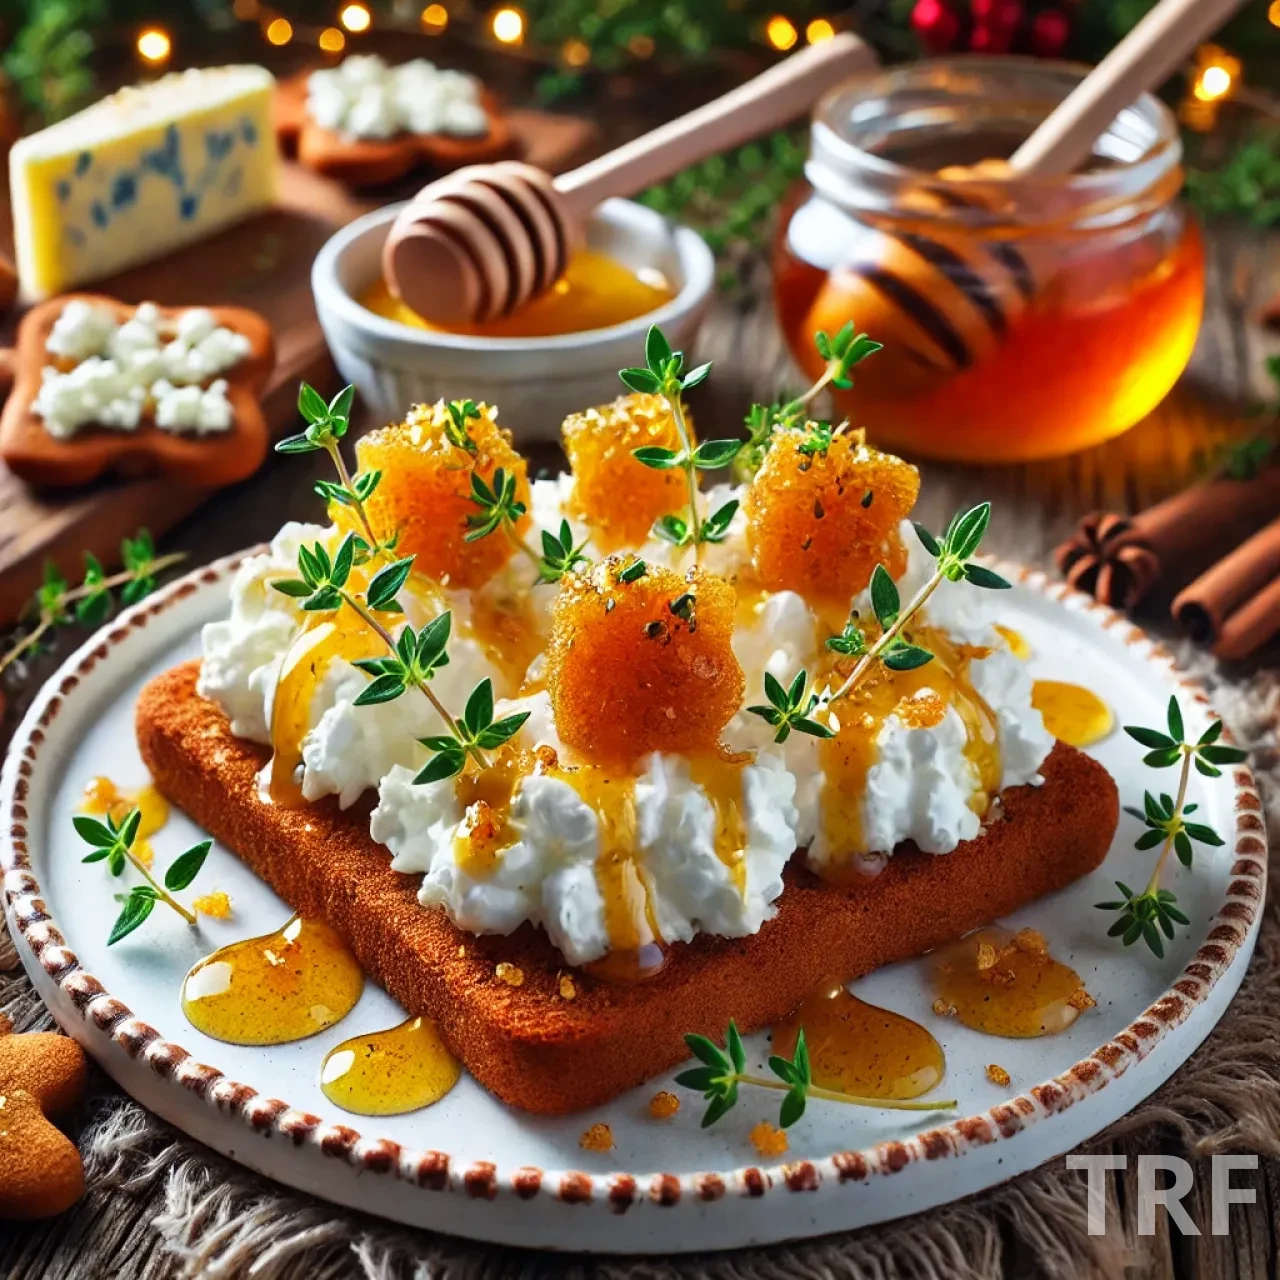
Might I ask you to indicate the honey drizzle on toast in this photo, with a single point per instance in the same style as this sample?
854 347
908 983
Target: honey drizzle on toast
920 698
720 777
330 637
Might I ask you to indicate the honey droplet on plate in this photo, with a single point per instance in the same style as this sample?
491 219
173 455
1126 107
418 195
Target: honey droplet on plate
278 987
102 796
386 1073
1007 984
1073 714
857 1048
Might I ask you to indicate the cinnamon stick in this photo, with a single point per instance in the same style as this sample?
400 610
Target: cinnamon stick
1119 559
1236 604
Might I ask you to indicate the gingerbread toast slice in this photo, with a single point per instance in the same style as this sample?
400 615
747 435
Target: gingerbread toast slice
530 1045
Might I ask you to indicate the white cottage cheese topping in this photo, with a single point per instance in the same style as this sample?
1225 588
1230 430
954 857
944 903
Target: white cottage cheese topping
920 786
548 875
121 368
363 97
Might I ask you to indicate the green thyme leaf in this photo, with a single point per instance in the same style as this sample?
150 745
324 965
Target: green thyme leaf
137 907
186 866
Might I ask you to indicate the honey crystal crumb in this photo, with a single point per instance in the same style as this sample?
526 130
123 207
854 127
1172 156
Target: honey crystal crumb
617 496
1031 940
643 665
546 758
1081 1000
809 526
943 1008
425 492
767 1140
598 1138
216 905
663 1105
986 957
511 974
567 990
998 1075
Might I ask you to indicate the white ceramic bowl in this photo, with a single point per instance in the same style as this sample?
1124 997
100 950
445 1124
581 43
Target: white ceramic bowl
535 382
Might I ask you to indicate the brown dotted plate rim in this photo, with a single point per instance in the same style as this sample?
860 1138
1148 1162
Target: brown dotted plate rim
109 1022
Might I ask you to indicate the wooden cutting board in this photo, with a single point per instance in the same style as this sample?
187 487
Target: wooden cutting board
265 264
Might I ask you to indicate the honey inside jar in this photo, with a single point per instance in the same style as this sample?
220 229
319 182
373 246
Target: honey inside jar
1023 317
596 291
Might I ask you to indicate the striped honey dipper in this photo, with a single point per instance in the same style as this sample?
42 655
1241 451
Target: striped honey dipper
478 243
950 301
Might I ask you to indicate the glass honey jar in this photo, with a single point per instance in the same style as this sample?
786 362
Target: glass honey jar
1022 317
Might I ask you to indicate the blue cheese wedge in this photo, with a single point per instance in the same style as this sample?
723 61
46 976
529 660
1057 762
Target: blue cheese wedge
140 174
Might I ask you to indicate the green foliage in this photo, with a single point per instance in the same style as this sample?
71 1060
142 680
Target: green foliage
1247 186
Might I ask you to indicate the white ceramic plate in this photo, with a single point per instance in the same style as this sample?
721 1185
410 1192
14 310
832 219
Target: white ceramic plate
471 1166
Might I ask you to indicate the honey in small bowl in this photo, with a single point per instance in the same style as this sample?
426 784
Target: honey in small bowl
595 292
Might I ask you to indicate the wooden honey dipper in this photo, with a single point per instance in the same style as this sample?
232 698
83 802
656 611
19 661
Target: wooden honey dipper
480 242
950 303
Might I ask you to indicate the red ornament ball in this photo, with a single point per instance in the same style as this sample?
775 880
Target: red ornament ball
988 38
936 24
1050 31
1001 15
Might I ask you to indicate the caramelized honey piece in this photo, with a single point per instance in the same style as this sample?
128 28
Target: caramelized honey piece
485 796
663 1105
425 493
767 1140
511 974
1008 984
641 666
810 525
1073 714
215 905
386 1073
282 986
617 496
998 1075
598 1138
857 1048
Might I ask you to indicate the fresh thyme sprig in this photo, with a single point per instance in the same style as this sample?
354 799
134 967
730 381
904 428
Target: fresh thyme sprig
114 845
500 508
789 708
953 556
57 603
324 585
723 1070
412 657
327 424
1147 914
663 374
841 353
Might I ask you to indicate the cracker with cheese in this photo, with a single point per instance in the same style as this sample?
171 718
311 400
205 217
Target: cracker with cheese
103 386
